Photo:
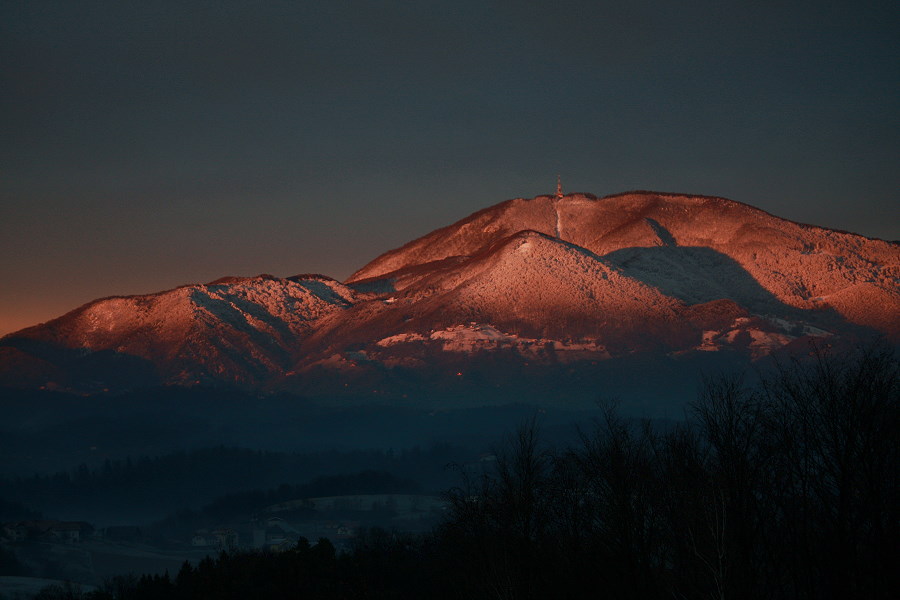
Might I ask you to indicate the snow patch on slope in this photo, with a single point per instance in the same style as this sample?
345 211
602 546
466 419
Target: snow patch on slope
475 337
756 335
400 338
558 232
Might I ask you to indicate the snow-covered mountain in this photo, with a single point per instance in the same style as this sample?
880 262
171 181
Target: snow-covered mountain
551 295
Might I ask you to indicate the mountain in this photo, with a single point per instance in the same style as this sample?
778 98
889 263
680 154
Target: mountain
550 296
232 330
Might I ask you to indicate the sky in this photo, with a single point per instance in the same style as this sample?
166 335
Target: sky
145 145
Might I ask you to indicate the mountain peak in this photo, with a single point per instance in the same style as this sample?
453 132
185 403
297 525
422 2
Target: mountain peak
566 279
797 265
580 218
232 279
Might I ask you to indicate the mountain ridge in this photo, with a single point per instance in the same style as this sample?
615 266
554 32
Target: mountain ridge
532 283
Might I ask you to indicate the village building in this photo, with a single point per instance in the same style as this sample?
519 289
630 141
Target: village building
46 530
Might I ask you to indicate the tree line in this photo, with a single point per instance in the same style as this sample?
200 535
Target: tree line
241 505
197 477
783 489
788 489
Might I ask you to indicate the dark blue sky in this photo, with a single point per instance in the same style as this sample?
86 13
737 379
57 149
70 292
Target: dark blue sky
146 145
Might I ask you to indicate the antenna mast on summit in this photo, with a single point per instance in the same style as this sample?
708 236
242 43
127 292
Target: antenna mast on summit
559 193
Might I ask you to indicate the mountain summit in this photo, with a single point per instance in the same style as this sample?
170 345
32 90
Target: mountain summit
565 294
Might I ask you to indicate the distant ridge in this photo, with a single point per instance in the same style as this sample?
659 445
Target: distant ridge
548 295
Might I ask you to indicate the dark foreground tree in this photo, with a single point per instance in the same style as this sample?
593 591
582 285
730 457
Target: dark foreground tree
834 433
787 489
